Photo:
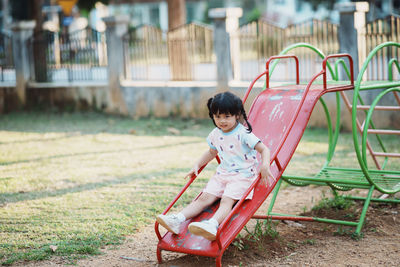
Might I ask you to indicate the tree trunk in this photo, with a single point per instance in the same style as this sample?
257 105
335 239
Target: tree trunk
176 13
39 43
5 20
178 41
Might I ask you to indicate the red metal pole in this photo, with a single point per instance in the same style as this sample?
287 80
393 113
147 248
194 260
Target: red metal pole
251 86
282 57
174 201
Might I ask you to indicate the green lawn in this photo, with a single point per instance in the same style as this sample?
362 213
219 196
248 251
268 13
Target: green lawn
75 182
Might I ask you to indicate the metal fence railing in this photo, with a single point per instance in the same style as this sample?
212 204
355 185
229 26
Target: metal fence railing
187 53
183 54
77 56
321 34
146 54
378 32
7 69
260 39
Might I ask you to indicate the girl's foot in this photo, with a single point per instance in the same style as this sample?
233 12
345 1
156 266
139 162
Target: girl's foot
170 222
205 229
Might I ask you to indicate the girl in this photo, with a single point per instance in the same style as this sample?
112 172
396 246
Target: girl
237 148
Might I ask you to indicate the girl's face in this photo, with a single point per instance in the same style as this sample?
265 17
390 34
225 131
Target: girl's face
226 122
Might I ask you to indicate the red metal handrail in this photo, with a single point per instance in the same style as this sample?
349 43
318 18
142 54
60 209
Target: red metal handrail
251 86
176 199
324 63
281 57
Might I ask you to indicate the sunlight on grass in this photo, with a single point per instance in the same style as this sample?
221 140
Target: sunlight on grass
312 150
84 181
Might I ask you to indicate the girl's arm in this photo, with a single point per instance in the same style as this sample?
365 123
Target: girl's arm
209 155
265 170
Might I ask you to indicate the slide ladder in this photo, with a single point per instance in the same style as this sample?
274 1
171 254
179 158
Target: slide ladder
378 161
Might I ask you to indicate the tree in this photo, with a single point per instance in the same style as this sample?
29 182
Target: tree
178 49
32 10
28 10
329 4
89 4
375 6
176 13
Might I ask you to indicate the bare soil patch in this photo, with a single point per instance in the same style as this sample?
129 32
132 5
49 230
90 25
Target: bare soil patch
298 244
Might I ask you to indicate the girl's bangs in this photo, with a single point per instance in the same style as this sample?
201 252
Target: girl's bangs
224 106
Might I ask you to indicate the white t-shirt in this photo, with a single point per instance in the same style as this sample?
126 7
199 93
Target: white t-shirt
236 150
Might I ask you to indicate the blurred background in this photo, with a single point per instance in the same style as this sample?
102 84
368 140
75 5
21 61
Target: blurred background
57 14
101 54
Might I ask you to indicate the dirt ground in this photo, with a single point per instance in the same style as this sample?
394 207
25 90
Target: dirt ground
298 243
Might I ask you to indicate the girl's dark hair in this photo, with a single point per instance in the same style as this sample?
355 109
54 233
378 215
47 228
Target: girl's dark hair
227 103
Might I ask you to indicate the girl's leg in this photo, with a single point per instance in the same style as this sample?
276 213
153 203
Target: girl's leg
198 205
208 229
224 208
172 222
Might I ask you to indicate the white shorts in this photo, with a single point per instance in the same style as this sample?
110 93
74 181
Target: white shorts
232 185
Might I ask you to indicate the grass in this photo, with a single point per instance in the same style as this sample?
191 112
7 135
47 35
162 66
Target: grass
310 154
73 183
336 203
84 181
262 229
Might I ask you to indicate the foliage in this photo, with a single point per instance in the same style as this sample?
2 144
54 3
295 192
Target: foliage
265 228
337 203
309 241
329 4
89 4
240 244
254 15
347 231
22 9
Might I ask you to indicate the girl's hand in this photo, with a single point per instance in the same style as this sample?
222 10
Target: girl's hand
193 172
204 159
265 172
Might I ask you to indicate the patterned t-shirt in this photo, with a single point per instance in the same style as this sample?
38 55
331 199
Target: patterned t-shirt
236 150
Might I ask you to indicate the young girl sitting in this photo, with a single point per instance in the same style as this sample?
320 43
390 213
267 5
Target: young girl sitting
237 149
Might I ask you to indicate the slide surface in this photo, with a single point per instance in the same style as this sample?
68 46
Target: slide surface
271 114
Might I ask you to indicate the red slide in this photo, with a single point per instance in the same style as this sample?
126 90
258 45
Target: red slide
279 117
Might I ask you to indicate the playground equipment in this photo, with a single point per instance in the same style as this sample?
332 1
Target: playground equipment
384 177
279 117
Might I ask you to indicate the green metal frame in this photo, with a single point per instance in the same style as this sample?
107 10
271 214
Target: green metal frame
344 179
390 86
